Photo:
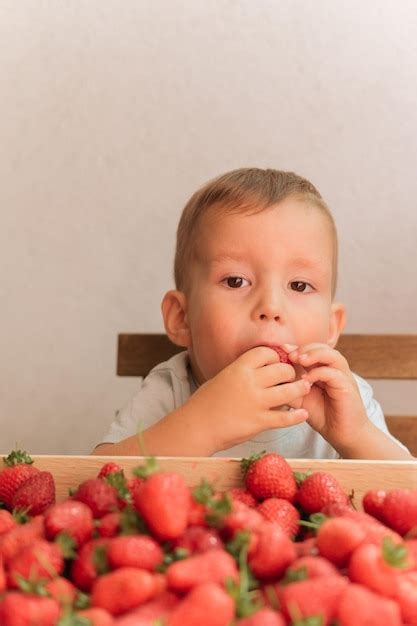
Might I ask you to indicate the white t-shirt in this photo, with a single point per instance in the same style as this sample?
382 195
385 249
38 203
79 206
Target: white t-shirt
170 384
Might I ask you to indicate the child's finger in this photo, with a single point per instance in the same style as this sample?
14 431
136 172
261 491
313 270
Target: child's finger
323 355
286 393
258 357
284 419
275 374
333 378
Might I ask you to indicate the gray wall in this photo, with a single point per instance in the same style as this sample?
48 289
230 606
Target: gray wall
113 112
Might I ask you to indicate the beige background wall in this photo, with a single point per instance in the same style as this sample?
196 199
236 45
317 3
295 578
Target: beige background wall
113 112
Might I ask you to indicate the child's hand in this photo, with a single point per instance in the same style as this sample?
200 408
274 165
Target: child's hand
334 403
247 397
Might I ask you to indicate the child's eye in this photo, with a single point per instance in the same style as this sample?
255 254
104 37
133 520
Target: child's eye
300 286
235 282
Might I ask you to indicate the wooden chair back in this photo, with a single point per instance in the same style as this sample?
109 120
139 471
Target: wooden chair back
391 357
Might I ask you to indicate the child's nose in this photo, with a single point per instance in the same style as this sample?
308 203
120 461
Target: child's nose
269 307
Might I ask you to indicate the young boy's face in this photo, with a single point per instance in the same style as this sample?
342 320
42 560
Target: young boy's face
260 279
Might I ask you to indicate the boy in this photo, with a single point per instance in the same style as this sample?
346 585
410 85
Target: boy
255 273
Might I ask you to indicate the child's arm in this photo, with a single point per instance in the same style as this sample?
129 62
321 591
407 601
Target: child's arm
335 406
233 406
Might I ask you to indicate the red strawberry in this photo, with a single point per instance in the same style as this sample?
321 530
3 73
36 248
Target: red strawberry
283 356
36 494
199 539
242 495
315 597
272 552
358 605
109 468
3 582
62 590
18 469
319 490
214 566
134 551
269 476
379 568
18 609
122 590
148 614
206 605
338 537
281 512
70 517
97 617
400 510
109 524
7 521
406 596
20 536
263 617
164 502
375 531
242 517
98 495
39 560
309 567
373 503
91 562
307 547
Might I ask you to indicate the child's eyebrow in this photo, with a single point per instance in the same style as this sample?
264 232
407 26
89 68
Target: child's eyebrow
318 264
229 256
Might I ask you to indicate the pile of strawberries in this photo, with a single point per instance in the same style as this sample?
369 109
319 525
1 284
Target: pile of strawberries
284 549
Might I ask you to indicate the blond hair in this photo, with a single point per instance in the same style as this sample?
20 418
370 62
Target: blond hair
246 190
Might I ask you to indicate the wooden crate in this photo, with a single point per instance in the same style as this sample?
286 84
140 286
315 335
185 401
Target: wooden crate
360 476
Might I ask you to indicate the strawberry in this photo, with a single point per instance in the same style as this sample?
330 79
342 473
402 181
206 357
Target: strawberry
283 356
206 605
309 567
148 614
18 469
338 537
400 510
214 566
7 521
307 547
199 539
134 551
406 596
282 513
98 495
62 590
91 561
241 517
312 598
20 536
39 560
358 605
269 476
17 609
70 517
109 525
242 495
36 494
96 617
319 490
375 531
263 617
379 567
164 501
122 590
109 468
271 553
373 503
3 582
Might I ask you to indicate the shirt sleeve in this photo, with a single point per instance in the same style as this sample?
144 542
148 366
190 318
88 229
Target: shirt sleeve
374 409
153 400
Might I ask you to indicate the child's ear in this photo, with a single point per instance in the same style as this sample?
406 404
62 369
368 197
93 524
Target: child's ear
337 323
174 312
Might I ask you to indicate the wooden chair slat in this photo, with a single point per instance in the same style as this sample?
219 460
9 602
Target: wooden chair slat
404 428
381 356
138 353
